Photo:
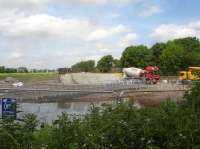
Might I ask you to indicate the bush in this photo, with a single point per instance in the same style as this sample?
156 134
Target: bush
193 98
118 126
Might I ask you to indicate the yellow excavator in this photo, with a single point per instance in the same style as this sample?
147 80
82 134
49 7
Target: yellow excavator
192 75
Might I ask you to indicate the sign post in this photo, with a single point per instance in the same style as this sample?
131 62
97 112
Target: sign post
9 107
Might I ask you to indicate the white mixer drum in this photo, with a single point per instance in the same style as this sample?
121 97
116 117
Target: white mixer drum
133 72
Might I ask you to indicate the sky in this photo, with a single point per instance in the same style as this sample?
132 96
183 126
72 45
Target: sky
58 33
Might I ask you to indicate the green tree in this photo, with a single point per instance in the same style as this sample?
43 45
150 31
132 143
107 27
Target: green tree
10 70
2 69
136 56
193 98
84 66
157 50
172 59
105 63
22 70
189 43
191 46
117 63
179 54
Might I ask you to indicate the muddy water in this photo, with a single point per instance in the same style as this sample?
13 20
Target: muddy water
47 112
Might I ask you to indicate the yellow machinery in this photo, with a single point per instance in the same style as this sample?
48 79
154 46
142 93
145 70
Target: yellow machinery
193 74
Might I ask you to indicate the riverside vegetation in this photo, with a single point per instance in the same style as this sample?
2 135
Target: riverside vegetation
121 126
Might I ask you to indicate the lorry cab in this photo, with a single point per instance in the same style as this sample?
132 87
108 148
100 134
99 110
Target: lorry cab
183 75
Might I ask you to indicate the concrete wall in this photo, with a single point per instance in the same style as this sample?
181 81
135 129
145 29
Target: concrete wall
90 78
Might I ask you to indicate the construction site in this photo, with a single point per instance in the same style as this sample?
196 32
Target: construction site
75 92
92 87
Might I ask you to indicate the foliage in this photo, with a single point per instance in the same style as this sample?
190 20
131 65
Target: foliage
84 66
10 70
157 50
105 63
116 63
22 70
172 59
18 135
136 56
191 46
169 126
177 55
193 98
2 69
189 43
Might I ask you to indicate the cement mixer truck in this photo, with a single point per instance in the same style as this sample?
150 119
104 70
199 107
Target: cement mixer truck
149 74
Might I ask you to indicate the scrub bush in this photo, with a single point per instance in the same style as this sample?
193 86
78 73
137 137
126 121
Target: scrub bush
121 126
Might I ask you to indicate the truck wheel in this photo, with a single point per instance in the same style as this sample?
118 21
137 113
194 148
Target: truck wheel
148 81
154 81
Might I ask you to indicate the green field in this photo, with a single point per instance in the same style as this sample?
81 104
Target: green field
30 76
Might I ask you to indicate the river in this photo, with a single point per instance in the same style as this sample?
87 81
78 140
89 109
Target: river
47 112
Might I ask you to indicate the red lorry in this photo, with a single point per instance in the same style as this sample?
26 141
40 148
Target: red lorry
149 74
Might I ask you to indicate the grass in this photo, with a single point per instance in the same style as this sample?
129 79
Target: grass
30 76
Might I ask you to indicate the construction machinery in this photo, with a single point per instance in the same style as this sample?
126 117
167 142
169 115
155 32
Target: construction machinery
192 75
148 74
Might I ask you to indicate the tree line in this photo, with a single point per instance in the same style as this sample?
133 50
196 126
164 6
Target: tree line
4 69
171 57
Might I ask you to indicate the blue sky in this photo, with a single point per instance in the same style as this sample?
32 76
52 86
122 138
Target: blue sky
51 33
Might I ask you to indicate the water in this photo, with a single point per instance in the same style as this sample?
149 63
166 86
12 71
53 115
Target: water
47 112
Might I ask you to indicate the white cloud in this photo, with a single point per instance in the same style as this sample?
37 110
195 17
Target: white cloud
93 2
103 33
37 35
28 6
115 15
18 3
128 40
195 25
98 2
21 5
150 10
44 25
98 35
45 40
171 31
32 4
119 29
16 55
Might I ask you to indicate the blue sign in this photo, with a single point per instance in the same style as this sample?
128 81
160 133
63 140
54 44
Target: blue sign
9 108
